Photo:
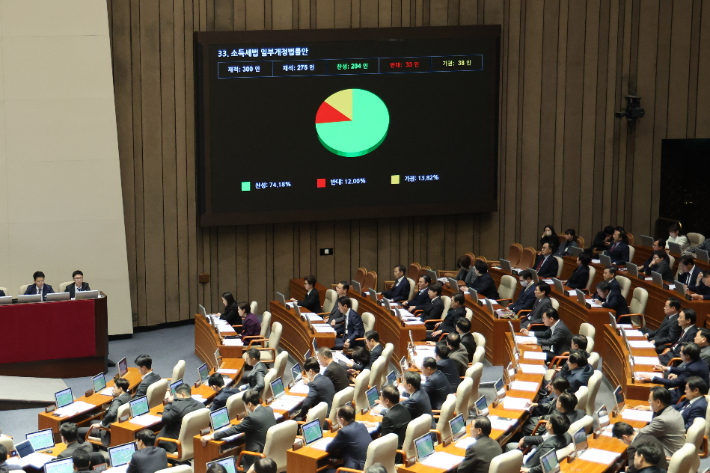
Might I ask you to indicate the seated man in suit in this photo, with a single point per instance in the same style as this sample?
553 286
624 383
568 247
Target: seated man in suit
695 403
692 366
335 318
120 397
320 388
542 303
352 327
669 330
457 352
609 275
448 325
82 461
579 370
372 342
482 451
557 426
437 385
545 264
148 458
547 403
254 426
70 436
619 249
351 441
148 376
556 339
580 276
446 365
254 378
688 271
216 382
633 440
416 399
421 297
333 371
396 417
435 307
702 339
661 264
484 284
701 287
526 298
565 404
400 290
312 300
612 299
657 245
79 284
39 287
5 467
667 424
686 322
175 410
463 328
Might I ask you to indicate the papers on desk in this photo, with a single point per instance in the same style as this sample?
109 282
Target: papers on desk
373 429
120 469
626 327
283 404
73 409
299 388
277 416
146 420
524 339
442 460
633 333
573 292
323 328
524 386
533 369
671 287
36 460
516 404
594 304
599 456
107 392
233 342
394 304
338 356
413 322
199 398
313 317
534 355
641 344
641 416
607 431
647 374
225 328
596 261
227 371
645 360
465 442
648 279
501 423
549 281
227 380
322 444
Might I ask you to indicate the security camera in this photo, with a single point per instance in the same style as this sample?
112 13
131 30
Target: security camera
633 109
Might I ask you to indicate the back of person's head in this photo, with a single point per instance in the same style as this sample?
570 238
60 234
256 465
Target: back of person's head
216 468
122 383
37 274
568 401
453 340
611 269
391 394
184 389
662 395
690 315
441 350
435 287
216 379
481 266
361 355
465 261
311 280
687 260
244 306
458 297
252 396
347 413
429 362
68 430
560 423
345 302
552 313
464 324
376 468
372 336
265 465
604 286
81 459
146 436
254 354
661 243
673 227
527 274
581 341
544 287
623 237
578 358
413 378
229 298
674 304
325 352
3 453
585 259
650 453
311 364
144 361
426 278
560 384
691 350
696 382
620 429
484 424
609 230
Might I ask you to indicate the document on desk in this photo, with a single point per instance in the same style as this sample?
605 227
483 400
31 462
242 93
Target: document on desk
199 398
225 328
599 456
633 333
573 292
442 460
534 355
524 339
533 369
286 405
338 356
524 386
516 403
299 388
233 342
549 281
641 416
641 344
36 460
596 261
501 423
465 442
413 322
594 304
626 327
322 444
227 371
646 360
73 409
323 328
107 392
146 420
647 374
313 317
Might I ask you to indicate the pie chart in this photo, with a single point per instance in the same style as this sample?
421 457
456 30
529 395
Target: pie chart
352 122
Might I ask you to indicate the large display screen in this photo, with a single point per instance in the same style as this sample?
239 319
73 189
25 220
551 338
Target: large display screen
336 124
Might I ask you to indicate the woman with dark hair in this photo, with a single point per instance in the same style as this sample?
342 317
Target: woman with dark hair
565 248
230 315
466 273
549 236
361 357
251 327
484 284
580 277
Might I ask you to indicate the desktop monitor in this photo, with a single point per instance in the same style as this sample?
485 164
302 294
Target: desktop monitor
473 294
580 441
387 302
612 320
277 388
458 427
227 463
372 396
392 378
307 355
505 266
632 269
489 304
41 440
576 251
680 289
121 454
312 432
139 406
314 343
453 285
298 312
580 298
702 255
296 372
24 449
219 418
500 389
58 296
60 466
99 382
122 367
675 248
217 360
373 294
64 397
280 297
432 274
174 386
82 295
605 260
424 446
203 311
549 462
204 373
619 397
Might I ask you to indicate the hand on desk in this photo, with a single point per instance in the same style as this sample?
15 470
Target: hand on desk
524 332
672 376
346 344
696 297
369 425
661 368
206 438
642 408
643 379
411 309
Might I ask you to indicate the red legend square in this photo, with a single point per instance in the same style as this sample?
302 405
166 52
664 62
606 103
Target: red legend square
320 183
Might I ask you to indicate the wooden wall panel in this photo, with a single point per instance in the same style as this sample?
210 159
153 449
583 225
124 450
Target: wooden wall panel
566 67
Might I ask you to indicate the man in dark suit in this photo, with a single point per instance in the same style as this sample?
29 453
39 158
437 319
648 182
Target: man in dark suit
669 331
216 382
372 342
701 287
148 458
254 426
353 327
335 318
542 303
437 385
612 299
557 426
660 265
175 410
657 245
647 458
312 300
484 284
526 298
609 275
333 371
351 441
578 370
695 403
417 400
253 379
81 460
686 322
70 436
619 249
602 240
148 377
463 328
580 276
688 271
79 284
556 339
692 366
448 325
446 365
39 287
120 397
546 264
421 297
479 455
396 418
400 290
435 308
633 440
320 388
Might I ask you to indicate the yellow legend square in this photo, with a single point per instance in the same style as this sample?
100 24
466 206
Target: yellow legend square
395 179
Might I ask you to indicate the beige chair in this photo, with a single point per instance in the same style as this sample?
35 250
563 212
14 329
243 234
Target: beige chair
582 394
594 383
383 451
156 393
192 423
280 364
592 275
235 405
360 395
507 286
594 360
443 429
267 392
124 410
269 346
671 262
340 398
7 442
387 354
463 397
319 411
412 288
479 339
331 298
479 355
565 452
682 460
254 307
447 305
63 286
474 372
632 252
625 284
368 321
415 429
95 439
508 462
176 469
178 370
590 345
23 289
560 264
695 436
264 333
355 303
637 307
695 238
469 314
279 439
585 423
587 330
377 372
555 303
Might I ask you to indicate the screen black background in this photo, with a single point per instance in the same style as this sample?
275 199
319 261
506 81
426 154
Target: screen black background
263 129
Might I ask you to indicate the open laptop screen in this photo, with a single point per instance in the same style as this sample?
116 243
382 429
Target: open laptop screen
41 440
139 406
458 426
277 387
296 372
99 382
122 367
204 372
227 463
619 397
580 440
64 397
481 404
425 447
392 378
403 364
549 463
24 448
219 418
175 385
312 432
602 417
60 466
280 297
121 454
372 396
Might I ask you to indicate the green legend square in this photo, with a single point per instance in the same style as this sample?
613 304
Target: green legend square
246 186
395 179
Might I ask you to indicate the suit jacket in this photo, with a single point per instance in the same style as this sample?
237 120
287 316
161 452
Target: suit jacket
220 400
337 375
552 443
559 341
420 298
460 356
437 387
641 439
565 248
526 299
452 316
395 421
689 336
69 451
668 332
618 252
252 326
350 444
467 276
485 286
548 268
173 414
149 379
399 292
689 279
705 354
433 309
46 289
319 390
683 372
356 329
617 302
669 428
469 342
254 426
148 460
579 377
232 317
451 370
579 278
312 301
599 241
539 308
71 289
664 270
255 377
701 289
375 353
111 416
479 455
418 403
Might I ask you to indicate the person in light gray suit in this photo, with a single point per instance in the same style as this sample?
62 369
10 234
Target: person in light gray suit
667 424
148 458
254 379
479 455
148 377
542 303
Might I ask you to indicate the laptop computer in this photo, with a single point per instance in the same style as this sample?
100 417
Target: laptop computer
619 397
219 419
602 417
280 298
203 372
312 432
298 312
680 289
60 466
296 372
580 441
356 286
632 269
645 240
121 455
657 278
612 320
58 296
217 358
373 294
5 300
458 427
83 295
403 364
175 385
424 446
481 405
500 389
505 266
64 397
549 463
576 251
432 275
453 285
315 346
386 302
307 355
277 388
29 298
372 396
203 311
227 463
675 248
392 378
41 440
489 304
580 298
605 260
139 406
702 255
559 287
122 367
98 382
24 449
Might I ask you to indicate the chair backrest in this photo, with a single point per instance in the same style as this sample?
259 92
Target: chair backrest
592 275
527 259
508 462
639 300
594 383
383 451
355 304
632 252
695 238
360 395
474 372
581 394
580 242
280 364
368 320
671 262
275 335
594 360
63 286
682 459
23 288
590 345
268 379
565 452
479 355
469 314
279 439
7 442
555 303
254 307
447 306
560 263
331 298
176 469
587 330
413 273
415 429
387 355
585 422
378 371
707 417
446 414
178 371
625 284
340 398
515 251
265 324
463 397
694 436
360 276
506 288
123 410
412 288
630 237
235 405
479 339
319 411
156 392
192 423
370 281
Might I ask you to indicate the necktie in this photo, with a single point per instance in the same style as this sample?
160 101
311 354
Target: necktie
613 246
540 264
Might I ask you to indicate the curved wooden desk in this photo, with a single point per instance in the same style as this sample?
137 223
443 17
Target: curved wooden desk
297 337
